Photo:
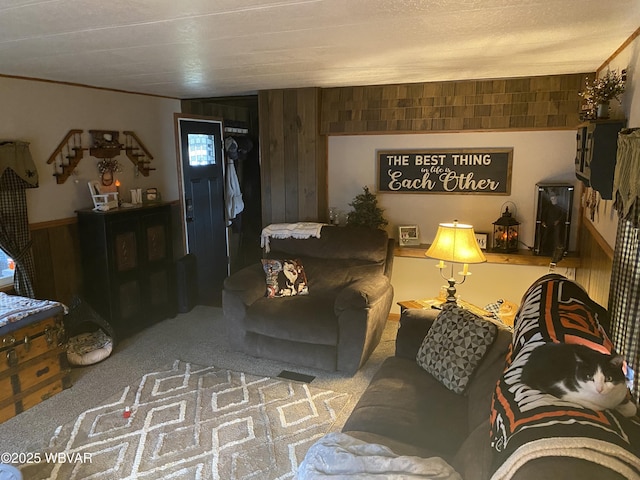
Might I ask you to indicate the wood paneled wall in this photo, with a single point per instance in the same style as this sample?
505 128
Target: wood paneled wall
293 156
56 252
237 109
596 258
518 103
293 125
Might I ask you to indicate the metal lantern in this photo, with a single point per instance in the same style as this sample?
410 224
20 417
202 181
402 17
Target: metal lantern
505 233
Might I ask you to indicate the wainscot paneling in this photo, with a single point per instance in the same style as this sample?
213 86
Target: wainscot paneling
596 256
56 254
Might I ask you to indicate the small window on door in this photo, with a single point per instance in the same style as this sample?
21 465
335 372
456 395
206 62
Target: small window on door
7 267
201 150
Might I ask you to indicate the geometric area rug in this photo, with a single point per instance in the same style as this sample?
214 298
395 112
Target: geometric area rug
193 422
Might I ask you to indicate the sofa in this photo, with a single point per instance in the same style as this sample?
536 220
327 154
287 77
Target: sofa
339 320
412 413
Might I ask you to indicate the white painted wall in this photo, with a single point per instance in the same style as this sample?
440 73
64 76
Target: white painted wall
540 156
42 113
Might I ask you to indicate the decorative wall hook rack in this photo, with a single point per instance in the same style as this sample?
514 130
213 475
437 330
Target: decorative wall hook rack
104 144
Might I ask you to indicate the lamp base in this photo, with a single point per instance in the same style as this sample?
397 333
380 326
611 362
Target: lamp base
451 291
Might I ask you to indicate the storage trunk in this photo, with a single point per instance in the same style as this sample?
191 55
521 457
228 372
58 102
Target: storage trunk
33 363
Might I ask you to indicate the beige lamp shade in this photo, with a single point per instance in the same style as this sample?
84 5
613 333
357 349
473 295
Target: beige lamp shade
456 242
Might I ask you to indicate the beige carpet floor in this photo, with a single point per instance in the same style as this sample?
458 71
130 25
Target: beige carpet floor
197 338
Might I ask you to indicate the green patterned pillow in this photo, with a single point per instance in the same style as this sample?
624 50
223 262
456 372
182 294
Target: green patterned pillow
455 345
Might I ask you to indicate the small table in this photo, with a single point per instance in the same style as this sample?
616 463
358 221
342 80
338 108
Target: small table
507 316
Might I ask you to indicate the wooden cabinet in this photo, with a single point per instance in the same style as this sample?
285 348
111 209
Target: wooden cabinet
127 264
596 150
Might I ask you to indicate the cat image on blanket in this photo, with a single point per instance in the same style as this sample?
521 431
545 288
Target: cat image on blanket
579 374
290 281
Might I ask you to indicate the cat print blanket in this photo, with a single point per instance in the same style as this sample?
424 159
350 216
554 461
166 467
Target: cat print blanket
527 424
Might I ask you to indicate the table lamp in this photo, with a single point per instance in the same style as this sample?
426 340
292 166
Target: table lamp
456 243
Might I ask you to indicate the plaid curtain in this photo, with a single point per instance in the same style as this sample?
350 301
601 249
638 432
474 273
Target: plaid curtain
624 292
15 238
624 296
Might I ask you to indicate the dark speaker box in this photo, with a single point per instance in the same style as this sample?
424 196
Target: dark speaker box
187 282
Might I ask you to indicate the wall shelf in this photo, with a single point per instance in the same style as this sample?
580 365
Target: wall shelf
137 153
104 144
521 257
67 155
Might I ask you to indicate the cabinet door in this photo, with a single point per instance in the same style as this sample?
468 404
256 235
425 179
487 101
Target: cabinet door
588 151
581 145
156 235
604 149
127 302
125 251
157 274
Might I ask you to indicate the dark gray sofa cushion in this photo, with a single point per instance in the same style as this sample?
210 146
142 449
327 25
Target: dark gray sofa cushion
414 326
406 404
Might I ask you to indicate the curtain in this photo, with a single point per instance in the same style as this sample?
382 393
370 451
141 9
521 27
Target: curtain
624 296
17 173
624 292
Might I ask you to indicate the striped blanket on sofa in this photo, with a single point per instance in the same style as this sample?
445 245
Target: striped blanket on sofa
527 424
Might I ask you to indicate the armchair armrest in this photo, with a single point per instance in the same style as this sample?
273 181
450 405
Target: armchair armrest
414 325
362 309
362 293
249 284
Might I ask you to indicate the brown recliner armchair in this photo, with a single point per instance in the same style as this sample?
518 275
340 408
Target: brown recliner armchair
339 323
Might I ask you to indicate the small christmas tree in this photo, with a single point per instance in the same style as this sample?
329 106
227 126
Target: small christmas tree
366 211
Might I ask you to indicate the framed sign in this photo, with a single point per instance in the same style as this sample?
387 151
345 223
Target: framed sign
485 171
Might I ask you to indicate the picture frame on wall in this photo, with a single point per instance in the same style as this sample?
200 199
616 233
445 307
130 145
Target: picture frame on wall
408 235
483 240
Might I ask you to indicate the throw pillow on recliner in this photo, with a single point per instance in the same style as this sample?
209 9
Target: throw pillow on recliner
285 278
455 345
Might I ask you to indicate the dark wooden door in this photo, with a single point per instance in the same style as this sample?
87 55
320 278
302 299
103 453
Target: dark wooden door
202 162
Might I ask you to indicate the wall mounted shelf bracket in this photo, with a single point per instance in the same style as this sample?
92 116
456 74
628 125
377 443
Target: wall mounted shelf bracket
104 144
137 153
67 155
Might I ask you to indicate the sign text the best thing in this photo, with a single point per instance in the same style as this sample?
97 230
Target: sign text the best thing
469 170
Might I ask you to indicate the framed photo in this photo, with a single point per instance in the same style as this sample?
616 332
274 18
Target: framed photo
408 235
483 239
